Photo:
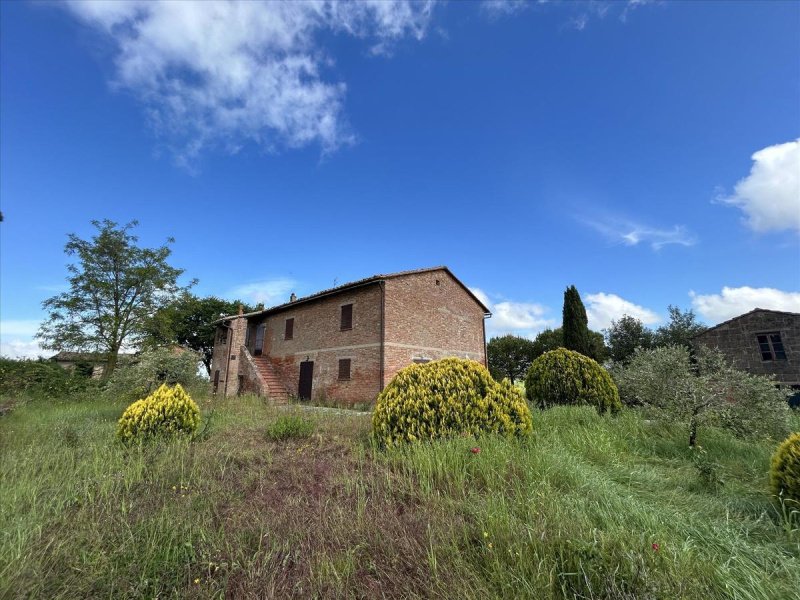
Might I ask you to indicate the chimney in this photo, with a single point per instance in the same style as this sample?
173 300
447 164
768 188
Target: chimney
293 297
241 310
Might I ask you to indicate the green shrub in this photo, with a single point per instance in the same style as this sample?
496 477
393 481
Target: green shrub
40 378
785 470
152 369
167 411
446 398
563 376
290 426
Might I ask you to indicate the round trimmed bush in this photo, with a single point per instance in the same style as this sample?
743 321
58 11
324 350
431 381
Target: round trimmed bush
167 411
447 398
563 376
785 470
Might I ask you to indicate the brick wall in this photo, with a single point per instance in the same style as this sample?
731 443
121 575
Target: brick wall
317 337
737 340
226 356
429 316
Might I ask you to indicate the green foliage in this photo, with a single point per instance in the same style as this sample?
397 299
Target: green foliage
705 392
114 289
446 398
39 378
152 369
708 471
784 472
680 330
168 411
625 336
187 321
567 377
290 426
509 357
550 339
575 323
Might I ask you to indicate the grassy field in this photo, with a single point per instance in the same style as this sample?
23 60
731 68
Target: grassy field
590 507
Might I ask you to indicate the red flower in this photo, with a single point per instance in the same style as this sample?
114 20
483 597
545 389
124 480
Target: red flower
475 450
656 547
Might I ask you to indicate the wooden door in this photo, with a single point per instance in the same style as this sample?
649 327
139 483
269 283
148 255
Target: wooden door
306 377
258 348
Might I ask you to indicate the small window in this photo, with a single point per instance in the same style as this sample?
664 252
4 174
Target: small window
223 335
771 346
347 317
344 368
289 333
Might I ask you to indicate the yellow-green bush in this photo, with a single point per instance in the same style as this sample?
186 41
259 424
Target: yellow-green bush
785 471
167 411
563 376
447 398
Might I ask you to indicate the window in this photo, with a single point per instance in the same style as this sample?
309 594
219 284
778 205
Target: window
347 317
288 334
223 335
771 346
344 368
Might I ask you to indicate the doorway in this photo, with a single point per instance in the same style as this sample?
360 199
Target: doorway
306 378
258 347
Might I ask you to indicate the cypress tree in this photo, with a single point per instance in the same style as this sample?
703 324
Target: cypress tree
575 323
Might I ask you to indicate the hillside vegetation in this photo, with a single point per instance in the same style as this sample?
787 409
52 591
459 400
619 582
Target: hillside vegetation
589 507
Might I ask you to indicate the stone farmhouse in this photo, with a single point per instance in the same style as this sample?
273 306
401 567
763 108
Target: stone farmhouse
345 344
761 342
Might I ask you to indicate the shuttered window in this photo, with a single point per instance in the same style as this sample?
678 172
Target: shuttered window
289 333
347 317
344 368
223 335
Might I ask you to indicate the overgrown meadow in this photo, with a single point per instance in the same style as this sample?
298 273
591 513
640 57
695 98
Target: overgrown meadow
292 502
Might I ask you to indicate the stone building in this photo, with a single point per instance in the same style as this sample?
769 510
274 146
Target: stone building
343 345
91 364
761 342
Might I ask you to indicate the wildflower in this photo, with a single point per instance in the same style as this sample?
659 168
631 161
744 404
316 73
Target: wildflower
490 545
656 547
486 534
475 450
196 581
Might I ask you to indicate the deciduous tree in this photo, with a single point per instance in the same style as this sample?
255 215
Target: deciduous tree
510 356
115 287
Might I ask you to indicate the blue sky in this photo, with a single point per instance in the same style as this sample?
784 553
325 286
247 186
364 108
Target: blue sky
646 152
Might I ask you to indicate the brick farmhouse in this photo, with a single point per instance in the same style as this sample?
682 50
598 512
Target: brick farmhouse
761 342
343 345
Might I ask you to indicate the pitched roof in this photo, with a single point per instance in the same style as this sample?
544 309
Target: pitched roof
750 312
357 284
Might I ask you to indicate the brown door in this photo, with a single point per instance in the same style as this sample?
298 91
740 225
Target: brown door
306 376
259 345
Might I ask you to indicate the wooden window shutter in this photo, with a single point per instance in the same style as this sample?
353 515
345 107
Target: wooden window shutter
289 333
344 368
347 317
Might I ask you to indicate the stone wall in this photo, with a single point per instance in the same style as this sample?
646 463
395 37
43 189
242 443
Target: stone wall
737 340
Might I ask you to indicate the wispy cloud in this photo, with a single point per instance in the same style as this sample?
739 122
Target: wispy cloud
581 12
222 74
269 292
519 318
732 302
602 308
631 233
770 195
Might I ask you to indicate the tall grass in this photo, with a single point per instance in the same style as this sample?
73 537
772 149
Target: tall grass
574 512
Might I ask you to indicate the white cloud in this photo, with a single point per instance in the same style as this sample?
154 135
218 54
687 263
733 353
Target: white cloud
19 348
220 73
582 12
19 327
520 318
602 308
271 292
733 302
630 233
503 8
770 195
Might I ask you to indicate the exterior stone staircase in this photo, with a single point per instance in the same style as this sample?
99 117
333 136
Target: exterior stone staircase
273 385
